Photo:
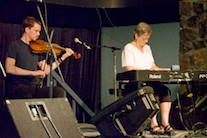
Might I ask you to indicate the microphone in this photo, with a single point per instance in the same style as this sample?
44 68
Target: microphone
76 40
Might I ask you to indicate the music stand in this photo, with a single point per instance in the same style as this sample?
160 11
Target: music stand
3 70
3 86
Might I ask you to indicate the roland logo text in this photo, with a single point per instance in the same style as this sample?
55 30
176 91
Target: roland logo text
155 76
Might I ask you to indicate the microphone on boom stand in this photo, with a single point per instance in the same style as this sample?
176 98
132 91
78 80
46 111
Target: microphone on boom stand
76 40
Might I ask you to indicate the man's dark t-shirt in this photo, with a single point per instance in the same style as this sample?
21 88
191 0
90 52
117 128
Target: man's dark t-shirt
25 59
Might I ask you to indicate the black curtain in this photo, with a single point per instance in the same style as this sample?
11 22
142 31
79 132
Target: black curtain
82 75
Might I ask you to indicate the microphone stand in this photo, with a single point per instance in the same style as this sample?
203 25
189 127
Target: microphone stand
115 72
114 49
53 54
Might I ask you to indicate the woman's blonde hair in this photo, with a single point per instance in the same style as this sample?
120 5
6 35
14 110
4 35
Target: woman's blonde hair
142 28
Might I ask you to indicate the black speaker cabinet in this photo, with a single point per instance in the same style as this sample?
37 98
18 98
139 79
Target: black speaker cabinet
43 118
127 116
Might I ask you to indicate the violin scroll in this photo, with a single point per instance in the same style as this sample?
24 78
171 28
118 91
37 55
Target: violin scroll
77 55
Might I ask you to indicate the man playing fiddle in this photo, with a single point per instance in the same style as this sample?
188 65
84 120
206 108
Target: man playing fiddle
23 66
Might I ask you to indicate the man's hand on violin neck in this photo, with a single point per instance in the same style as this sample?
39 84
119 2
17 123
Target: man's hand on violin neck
68 53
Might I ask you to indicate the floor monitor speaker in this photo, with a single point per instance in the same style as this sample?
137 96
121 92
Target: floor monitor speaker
42 118
128 116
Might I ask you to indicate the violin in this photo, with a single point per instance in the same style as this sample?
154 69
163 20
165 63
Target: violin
40 46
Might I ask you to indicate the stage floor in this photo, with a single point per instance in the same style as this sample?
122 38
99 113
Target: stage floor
90 131
180 134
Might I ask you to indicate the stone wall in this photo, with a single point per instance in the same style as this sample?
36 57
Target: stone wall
193 34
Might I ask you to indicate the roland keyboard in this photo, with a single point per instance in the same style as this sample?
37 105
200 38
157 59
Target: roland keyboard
147 75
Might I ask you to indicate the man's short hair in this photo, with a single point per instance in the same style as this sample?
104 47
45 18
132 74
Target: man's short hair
29 22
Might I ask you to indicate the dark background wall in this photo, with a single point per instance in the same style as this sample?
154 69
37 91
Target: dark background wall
121 12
